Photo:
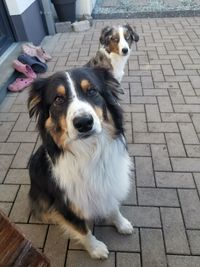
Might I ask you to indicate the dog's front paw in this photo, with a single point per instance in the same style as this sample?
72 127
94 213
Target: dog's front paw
125 227
99 250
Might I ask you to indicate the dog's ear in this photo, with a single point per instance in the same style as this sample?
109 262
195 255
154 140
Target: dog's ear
134 35
35 96
105 33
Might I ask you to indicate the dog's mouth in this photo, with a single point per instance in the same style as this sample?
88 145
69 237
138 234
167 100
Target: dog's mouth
86 135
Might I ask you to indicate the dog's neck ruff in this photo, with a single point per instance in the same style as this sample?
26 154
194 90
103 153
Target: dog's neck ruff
118 63
92 174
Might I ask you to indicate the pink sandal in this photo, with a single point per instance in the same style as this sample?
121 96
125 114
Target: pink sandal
36 51
24 68
19 84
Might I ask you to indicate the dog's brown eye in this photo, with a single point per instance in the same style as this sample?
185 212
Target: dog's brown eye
59 100
92 92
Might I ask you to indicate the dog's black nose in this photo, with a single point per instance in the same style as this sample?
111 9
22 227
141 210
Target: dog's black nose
83 123
124 50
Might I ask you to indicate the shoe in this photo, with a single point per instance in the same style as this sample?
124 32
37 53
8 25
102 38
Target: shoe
34 62
24 68
36 51
20 84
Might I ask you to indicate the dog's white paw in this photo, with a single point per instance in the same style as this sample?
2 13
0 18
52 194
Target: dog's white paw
125 227
99 251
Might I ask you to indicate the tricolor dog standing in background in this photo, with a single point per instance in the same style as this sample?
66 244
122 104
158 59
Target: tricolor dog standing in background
116 47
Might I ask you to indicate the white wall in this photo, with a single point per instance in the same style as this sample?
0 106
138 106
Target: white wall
84 7
17 7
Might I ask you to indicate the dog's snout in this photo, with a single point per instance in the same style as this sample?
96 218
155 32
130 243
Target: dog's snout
83 123
125 50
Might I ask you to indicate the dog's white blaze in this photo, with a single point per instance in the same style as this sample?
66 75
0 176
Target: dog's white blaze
78 108
122 42
72 88
96 176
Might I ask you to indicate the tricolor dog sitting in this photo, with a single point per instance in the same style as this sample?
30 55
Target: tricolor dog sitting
81 171
116 47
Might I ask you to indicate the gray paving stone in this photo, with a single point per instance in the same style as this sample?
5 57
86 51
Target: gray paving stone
8 116
174 180
152 112
185 164
7 104
167 70
174 231
5 164
5 129
82 259
56 246
17 176
142 216
116 241
157 197
162 127
193 150
144 171
175 145
160 157
197 181
190 204
22 122
25 137
153 251
23 155
8 148
143 100
5 207
8 192
188 133
175 117
128 260
195 80
186 108
131 198
155 92
17 213
176 96
133 108
19 108
196 121
183 261
149 138
165 104
139 150
35 233
139 122
136 89
194 240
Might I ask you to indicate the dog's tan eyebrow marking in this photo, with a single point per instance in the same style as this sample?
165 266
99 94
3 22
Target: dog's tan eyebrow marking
85 85
61 90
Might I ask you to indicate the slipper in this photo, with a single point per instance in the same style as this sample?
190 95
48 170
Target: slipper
35 64
24 68
36 51
19 84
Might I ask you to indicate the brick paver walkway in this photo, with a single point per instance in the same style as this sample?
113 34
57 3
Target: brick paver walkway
162 121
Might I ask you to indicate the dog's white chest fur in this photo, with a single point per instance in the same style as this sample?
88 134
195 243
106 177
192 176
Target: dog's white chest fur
118 63
96 177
